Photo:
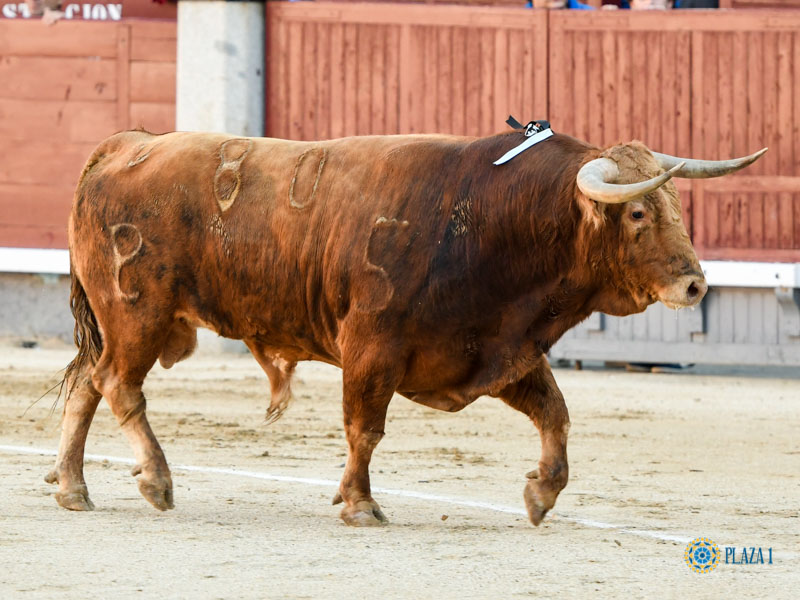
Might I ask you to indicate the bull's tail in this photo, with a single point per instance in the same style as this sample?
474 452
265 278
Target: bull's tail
87 336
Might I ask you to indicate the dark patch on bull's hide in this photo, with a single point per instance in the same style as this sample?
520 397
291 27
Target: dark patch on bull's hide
472 344
188 216
177 284
342 305
461 220
97 187
306 177
161 270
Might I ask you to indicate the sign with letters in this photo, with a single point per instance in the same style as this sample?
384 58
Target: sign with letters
96 11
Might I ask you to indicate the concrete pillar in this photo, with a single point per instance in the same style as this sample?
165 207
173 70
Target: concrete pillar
220 83
221 67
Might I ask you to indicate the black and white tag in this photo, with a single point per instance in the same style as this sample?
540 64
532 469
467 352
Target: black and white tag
535 132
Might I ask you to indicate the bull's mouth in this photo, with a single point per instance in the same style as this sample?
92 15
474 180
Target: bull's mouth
676 305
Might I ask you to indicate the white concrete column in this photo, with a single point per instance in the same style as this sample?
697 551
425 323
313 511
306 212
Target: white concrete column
220 83
221 67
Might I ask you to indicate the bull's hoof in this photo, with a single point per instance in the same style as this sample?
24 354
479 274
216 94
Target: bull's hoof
536 502
157 491
363 514
74 498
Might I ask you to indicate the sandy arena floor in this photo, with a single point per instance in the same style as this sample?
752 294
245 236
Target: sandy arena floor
653 458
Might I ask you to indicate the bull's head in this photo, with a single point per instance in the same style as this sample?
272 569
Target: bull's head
654 258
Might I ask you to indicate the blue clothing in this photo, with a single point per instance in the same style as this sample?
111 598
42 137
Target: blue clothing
570 4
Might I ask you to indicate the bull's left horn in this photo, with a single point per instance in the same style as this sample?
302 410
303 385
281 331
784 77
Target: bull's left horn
595 176
703 169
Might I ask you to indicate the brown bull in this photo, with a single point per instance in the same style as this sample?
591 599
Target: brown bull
411 262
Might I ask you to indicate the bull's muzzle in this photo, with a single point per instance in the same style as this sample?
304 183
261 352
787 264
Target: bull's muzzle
687 291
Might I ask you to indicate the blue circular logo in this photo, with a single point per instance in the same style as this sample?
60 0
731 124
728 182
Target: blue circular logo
702 555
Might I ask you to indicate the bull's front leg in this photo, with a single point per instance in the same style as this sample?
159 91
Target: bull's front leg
367 392
538 396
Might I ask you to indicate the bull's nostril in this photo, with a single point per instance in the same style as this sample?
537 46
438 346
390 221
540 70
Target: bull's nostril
693 292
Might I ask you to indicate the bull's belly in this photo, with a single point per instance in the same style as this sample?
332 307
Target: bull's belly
287 340
452 380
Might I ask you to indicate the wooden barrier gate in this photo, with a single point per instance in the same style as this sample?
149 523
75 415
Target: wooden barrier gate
65 88
389 68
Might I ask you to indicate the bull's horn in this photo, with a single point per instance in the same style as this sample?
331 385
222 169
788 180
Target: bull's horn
703 169
595 176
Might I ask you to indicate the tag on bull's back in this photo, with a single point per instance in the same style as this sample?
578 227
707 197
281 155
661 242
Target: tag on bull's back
535 132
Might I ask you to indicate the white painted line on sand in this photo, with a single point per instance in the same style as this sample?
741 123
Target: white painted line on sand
646 533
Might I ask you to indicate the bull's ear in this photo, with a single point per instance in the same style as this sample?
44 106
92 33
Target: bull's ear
593 213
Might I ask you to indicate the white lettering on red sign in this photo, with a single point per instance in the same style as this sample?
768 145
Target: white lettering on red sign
86 11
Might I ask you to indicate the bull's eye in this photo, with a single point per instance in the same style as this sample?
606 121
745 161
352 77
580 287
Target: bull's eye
637 214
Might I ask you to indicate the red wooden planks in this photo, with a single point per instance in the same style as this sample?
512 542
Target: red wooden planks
57 78
323 76
65 88
76 38
152 82
37 161
155 117
40 204
56 121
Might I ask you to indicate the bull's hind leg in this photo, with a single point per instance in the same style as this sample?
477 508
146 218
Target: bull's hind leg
119 375
79 407
367 392
538 396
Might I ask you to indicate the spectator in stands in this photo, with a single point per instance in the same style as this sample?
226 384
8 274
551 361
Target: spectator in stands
633 4
649 4
49 10
574 4
636 4
696 4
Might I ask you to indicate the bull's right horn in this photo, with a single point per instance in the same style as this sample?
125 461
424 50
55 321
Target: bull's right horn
703 169
595 177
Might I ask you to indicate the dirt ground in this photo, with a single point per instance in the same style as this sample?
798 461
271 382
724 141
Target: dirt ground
653 458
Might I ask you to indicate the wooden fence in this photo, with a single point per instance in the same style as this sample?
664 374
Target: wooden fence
348 69
65 88
691 83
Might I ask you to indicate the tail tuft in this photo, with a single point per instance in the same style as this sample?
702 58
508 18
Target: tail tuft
87 336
